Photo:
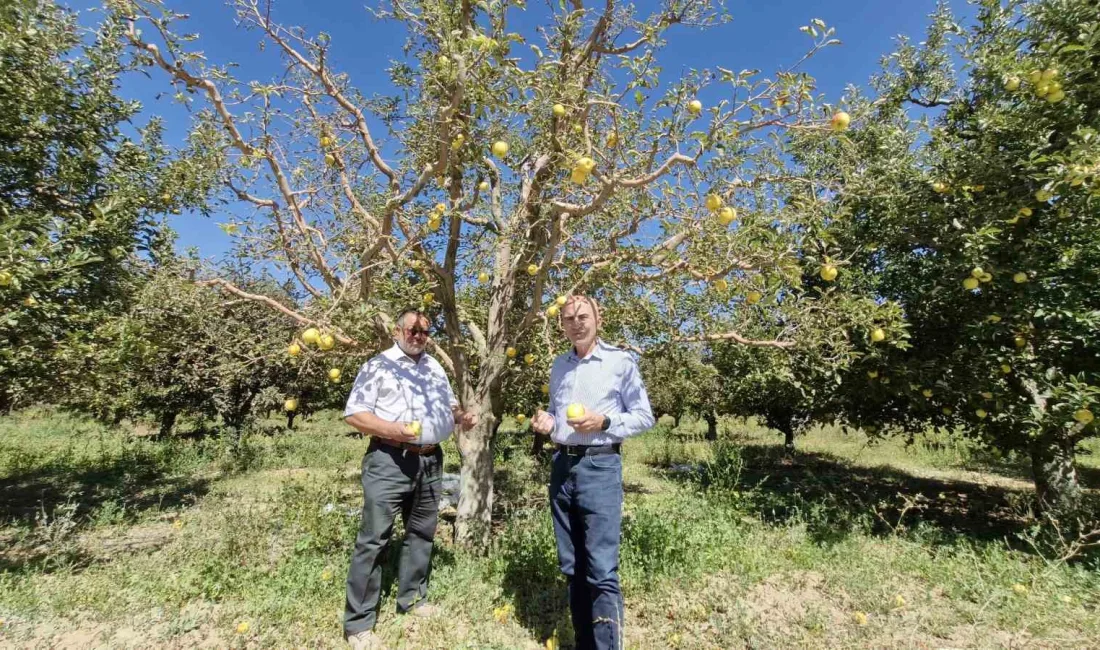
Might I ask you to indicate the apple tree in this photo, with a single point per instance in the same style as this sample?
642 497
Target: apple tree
501 171
972 199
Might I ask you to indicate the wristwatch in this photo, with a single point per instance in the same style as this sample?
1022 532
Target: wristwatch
606 424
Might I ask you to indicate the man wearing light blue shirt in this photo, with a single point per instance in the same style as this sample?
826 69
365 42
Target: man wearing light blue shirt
403 400
597 399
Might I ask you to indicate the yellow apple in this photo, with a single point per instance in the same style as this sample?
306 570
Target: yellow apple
528 358
1005 368
878 335
939 187
30 301
552 311
5 278
483 277
828 272
714 202
927 392
980 413
546 389
429 298
695 107
993 318
1055 96
334 374
311 335
578 128
457 143
326 141
1020 341
290 404
414 428
1042 196
970 284
721 284
532 269
986 277
294 349
500 148
1049 74
586 163
443 61
559 110
578 175
330 159
1084 416
612 140
726 215
561 300
873 374
510 352
326 342
483 186
976 272
521 418
1042 89
753 297
574 411
1012 83
947 410
1019 278
1024 212
434 224
840 121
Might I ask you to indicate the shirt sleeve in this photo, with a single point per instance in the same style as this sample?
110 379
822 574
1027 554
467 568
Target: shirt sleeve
364 393
637 416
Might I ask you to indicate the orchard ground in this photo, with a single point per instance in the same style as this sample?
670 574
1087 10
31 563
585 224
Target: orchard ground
111 539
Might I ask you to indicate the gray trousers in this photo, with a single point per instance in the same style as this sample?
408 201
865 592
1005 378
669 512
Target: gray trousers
393 480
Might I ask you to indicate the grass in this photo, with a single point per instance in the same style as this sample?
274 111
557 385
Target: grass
109 539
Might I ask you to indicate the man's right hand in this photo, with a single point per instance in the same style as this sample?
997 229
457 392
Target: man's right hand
543 422
399 432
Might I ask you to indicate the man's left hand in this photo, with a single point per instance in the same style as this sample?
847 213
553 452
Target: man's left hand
466 420
587 423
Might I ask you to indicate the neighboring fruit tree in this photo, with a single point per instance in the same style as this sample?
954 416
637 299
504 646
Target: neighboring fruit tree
505 171
983 221
80 183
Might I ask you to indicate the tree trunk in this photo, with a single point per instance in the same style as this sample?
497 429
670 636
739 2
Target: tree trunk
676 420
290 415
712 425
1053 466
475 500
167 422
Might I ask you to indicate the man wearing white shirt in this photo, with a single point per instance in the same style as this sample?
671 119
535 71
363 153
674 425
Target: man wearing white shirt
403 400
597 399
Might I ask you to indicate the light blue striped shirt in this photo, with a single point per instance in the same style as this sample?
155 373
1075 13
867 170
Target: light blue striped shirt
608 382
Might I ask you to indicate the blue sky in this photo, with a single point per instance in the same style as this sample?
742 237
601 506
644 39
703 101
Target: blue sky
762 35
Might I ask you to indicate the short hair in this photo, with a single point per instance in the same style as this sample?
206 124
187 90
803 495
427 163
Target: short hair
405 312
586 299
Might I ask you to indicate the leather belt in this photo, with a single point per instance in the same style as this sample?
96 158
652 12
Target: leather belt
420 450
590 450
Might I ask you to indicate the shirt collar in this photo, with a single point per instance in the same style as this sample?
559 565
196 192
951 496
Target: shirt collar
395 353
596 355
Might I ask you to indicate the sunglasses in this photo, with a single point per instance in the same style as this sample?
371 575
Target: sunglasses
416 331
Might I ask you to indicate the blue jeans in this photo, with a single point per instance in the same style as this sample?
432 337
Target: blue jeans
586 499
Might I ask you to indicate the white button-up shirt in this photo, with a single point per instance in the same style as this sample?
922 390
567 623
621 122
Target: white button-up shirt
607 381
396 388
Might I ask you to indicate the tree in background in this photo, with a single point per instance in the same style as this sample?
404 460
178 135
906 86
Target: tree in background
973 201
506 171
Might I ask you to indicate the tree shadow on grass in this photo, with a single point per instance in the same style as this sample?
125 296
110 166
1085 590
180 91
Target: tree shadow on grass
834 498
51 503
535 586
